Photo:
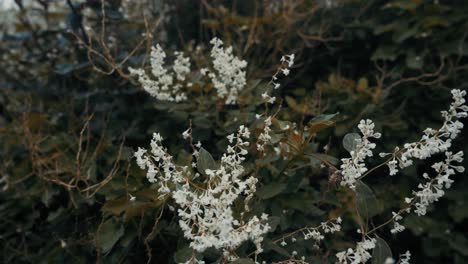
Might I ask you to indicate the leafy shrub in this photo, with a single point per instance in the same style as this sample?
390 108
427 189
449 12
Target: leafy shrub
72 116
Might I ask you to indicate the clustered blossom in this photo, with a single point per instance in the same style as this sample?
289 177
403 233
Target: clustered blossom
329 227
181 66
405 258
163 87
264 137
205 212
353 168
287 62
433 141
358 255
433 189
397 227
229 76
315 233
267 98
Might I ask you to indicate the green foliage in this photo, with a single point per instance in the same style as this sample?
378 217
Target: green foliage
70 121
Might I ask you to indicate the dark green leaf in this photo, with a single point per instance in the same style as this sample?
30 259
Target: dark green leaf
183 255
381 252
270 190
109 233
366 202
205 161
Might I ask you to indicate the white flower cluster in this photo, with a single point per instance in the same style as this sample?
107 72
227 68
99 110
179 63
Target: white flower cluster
397 227
433 189
329 227
265 136
287 62
433 141
205 211
163 86
229 77
404 259
358 255
160 166
352 168
315 233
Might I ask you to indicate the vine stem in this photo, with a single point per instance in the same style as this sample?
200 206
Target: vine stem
393 155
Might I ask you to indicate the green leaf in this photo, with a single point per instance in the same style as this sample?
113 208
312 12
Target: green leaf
366 202
270 190
322 118
328 158
205 161
183 255
115 207
386 53
108 234
381 252
459 243
273 222
350 141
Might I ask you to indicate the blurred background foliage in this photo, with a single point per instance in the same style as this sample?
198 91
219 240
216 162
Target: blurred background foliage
71 117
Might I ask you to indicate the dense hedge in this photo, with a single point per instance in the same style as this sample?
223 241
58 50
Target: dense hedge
71 117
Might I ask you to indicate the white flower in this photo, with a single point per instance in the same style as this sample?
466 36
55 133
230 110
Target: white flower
392 165
397 227
289 59
264 137
433 189
358 255
353 168
206 214
437 141
316 233
162 87
267 98
181 66
405 258
186 133
229 77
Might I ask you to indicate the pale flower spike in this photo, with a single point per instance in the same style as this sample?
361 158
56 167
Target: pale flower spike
265 136
228 75
205 212
358 255
353 168
433 141
205 206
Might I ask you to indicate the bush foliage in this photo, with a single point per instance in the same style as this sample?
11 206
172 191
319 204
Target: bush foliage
72 116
